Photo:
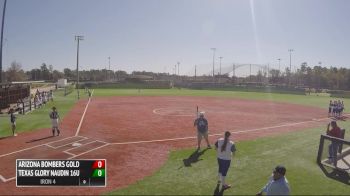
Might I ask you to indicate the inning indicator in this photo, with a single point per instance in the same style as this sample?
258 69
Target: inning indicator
33 172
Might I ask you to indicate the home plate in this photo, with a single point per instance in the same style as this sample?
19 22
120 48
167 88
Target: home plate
76 144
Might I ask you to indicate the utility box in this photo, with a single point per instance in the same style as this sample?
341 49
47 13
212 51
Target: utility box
61 83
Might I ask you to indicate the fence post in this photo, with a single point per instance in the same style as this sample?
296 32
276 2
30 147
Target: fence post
23 108
320 147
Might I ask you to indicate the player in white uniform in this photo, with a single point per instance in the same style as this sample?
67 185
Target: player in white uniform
225 149
54 120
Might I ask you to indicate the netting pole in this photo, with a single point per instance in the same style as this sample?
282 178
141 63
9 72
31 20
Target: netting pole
320 147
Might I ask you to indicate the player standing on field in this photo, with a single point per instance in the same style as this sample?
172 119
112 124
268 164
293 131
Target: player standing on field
202 129
13 122
54 120
225 148
330 108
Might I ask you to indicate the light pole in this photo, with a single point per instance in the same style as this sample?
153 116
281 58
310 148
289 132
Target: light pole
78 38
290 65
109 66
213 49
195 72
220 57
2 34
178 68
290 59
279 65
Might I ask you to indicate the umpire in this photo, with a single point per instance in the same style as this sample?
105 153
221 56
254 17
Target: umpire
202 129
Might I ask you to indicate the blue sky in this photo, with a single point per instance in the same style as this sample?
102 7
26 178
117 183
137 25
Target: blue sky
153 35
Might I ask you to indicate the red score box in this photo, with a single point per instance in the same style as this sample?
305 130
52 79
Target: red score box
98 164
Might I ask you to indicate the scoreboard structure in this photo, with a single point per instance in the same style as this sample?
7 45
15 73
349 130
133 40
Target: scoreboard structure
43 173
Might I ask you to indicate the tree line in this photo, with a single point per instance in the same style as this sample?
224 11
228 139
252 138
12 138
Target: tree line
305 76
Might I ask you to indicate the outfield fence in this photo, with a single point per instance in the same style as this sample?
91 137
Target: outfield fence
148 84
68 89
339 93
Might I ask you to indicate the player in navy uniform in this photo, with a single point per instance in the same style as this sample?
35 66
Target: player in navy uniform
54 116
202 129
330 108
13 122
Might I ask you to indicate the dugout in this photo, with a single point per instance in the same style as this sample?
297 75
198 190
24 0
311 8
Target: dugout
12 93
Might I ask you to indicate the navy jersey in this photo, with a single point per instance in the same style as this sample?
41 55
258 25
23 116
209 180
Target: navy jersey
202 124
12 118
54 115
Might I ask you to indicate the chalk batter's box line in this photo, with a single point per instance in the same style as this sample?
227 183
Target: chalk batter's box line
6 180
83 138
67 151
93 149
29 148
106 179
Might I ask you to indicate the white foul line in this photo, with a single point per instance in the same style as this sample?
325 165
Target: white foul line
217 134
82 118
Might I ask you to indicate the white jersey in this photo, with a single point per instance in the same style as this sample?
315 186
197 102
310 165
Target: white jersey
227 153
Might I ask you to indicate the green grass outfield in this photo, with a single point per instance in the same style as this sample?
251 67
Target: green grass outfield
310 100
249 172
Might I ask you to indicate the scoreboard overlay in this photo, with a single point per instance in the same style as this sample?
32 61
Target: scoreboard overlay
54 172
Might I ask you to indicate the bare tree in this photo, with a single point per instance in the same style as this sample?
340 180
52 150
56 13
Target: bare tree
15 72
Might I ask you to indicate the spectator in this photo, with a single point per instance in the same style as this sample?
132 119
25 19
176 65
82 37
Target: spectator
278 183
334 146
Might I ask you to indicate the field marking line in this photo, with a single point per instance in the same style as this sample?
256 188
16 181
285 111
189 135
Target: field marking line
156 111
85 138
69 153
6 180
80 146
83 116
24 149
102 141
217 134
93 149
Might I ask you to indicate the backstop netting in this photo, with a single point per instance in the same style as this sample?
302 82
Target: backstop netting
334 153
